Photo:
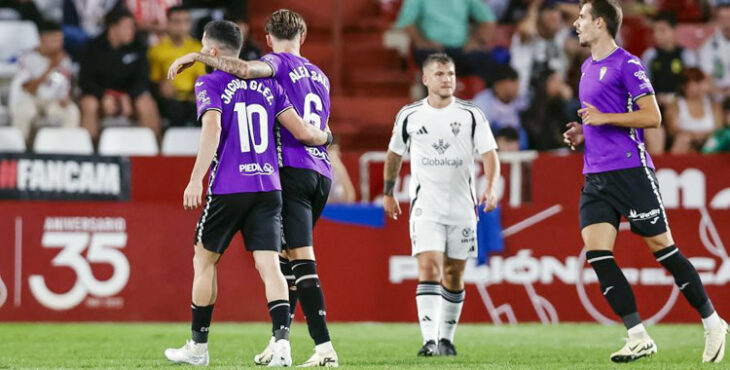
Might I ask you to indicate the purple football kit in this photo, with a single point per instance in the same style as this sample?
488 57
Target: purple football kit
243 187
619 173
305 171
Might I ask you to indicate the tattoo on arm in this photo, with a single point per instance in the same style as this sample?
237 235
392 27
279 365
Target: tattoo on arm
234 66
390 173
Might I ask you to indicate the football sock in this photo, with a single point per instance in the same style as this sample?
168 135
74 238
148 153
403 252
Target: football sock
451 306
686 278
201 322
615 287
428 302
312 299
285 267
638 332
279 312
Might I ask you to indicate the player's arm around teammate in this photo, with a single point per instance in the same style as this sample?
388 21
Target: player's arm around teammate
233 65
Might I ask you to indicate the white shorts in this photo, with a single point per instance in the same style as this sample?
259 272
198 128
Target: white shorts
456 241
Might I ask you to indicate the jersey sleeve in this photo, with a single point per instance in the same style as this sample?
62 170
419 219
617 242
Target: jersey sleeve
207 96
483 137
274 61
399 138
635 78
281 101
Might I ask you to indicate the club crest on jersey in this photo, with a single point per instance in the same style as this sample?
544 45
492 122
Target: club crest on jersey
253 169
441 146
602 73
455 128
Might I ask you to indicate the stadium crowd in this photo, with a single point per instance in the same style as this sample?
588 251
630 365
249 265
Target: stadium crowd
102 63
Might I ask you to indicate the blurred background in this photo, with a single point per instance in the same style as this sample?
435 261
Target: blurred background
96 143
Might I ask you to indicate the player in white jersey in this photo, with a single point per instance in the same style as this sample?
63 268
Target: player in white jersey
443 134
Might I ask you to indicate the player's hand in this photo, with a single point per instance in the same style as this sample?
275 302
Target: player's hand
591 115
192 197
391 206
180 64
488 199
574 135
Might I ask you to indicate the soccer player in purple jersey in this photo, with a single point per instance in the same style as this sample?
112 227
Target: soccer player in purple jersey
617 104
244 190
305 171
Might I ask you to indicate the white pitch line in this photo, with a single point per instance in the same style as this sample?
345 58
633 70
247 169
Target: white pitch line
532 220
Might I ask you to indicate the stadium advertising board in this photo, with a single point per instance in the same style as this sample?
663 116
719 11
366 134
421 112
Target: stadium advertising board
131 261
63 177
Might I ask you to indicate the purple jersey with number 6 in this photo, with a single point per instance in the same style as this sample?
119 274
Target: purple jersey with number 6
612 85
308 90
246 159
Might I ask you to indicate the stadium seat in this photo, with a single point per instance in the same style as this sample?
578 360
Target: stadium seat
131 141
15 37
11 140
63 140
181 141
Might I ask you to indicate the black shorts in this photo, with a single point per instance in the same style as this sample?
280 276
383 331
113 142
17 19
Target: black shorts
256 215
305 194
633 193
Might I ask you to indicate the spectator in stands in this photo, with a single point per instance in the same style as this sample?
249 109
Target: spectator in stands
443 26
715 53
501 104
249 51
19 10
666 60
553 105
175 97
84 20
342 190
720 140
40 92
541 43
694 116
508 139
114 76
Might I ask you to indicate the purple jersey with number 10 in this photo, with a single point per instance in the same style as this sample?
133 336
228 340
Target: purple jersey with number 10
308 90
612 85
246 159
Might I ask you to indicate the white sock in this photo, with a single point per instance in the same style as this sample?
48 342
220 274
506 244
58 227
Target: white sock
200 348
712 322
324 347
428 301
451 305
638 332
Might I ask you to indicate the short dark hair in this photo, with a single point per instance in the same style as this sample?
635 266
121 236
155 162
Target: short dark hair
177 9
225 33
48 26
285 24
609 10
116 15
509 133
504 72
668 17
440 58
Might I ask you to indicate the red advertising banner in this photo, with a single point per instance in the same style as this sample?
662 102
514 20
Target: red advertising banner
131 261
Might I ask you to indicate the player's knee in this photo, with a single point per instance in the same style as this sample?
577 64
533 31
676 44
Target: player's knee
204 258
429 271
452 274
659 242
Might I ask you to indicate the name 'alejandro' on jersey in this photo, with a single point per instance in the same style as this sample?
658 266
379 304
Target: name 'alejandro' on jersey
604 83
308 90
246 159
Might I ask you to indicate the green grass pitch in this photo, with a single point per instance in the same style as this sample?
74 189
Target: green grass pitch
367 346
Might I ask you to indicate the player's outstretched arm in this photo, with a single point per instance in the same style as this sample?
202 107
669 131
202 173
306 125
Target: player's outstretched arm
647 116
302 131
490 161
209 139
390 174
573 136
237 67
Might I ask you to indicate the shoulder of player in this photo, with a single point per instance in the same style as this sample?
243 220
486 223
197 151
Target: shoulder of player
471 107
626 58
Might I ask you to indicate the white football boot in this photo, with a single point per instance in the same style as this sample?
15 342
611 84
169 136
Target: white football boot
264 357
191 353
634 349
327 358
281 356
715 344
